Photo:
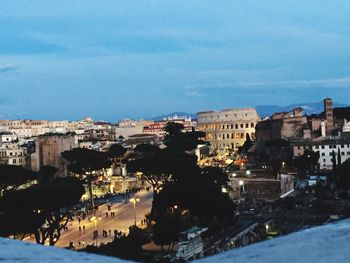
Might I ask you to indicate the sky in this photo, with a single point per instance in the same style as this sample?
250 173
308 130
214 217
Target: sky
112 59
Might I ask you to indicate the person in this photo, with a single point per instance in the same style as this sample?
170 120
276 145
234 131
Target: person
83 227
109 232
79 228
79 220
106 214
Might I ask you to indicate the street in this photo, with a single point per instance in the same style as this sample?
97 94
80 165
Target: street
123 219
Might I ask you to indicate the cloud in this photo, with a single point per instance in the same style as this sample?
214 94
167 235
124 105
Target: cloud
193 93
7 69
325 83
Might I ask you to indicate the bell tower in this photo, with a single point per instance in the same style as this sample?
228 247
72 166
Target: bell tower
328 110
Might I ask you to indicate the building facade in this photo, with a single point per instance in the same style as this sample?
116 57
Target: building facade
12 154
282 125
48 149
227 129
327 148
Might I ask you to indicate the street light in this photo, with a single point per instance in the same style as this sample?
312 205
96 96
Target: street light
94 219
134 201
267 228
241 187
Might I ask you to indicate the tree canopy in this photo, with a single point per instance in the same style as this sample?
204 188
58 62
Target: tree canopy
85 162
343 175
12 176
308 161
246 145
177 140
47 173
185 195
116 151
41 209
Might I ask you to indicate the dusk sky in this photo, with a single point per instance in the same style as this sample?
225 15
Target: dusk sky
117 59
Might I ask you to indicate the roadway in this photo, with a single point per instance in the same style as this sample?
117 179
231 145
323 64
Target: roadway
123 219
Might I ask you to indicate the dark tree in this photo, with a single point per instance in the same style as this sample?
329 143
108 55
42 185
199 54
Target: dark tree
166 230
308 161
276 166
86 163
160 167
126 247
12 176
204 202
177 140
183 191
147 149
277 143
47 173
42 209
173 130
214 175
116 151
334 162
343 175
246 145
338 159
156 170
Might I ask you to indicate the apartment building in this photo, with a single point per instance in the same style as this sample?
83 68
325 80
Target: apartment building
12 154
326 147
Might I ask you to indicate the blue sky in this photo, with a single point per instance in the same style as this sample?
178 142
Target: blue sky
113 59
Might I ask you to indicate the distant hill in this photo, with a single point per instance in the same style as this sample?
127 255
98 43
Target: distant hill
266 110
309 108
180 114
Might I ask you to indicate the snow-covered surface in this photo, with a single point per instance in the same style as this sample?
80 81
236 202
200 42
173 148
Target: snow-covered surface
324 244
17 251
327 243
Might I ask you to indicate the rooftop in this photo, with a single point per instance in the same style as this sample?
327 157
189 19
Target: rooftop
227 110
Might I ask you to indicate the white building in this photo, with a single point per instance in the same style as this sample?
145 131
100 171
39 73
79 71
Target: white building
127 128
12 154
7 137
327 147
